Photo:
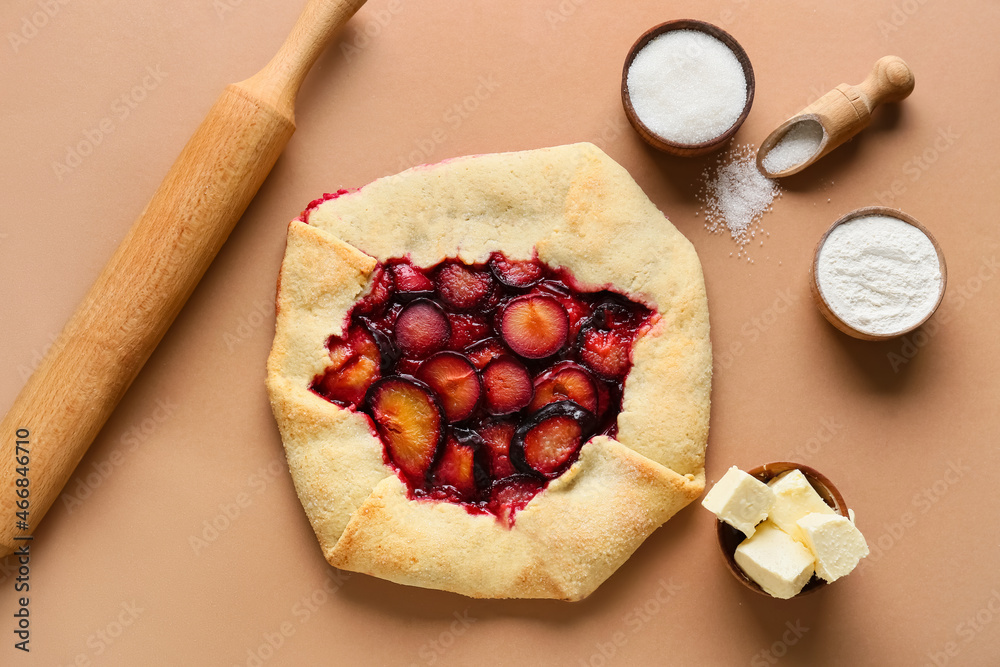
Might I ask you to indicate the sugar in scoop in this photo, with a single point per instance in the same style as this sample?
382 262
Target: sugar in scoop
796 147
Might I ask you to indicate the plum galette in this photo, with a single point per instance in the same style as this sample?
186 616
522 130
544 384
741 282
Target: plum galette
491 375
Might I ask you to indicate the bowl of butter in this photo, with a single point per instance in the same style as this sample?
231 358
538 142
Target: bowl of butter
784 529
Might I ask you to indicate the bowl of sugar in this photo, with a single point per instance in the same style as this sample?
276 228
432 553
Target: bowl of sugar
687 86
877 274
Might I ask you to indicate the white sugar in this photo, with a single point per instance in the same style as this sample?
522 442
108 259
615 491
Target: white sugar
799 144
687 86
735 195
879 274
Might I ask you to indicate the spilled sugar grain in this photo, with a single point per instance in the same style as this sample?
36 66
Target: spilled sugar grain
734 196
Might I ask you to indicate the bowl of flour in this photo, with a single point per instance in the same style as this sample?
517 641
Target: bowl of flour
877 274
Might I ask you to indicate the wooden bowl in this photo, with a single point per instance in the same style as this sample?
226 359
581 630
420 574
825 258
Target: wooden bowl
655 140
730 538
824 306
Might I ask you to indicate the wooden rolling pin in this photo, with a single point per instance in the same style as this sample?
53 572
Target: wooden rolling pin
150 276
841 113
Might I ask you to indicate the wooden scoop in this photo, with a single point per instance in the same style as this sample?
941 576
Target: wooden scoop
150 276
837 116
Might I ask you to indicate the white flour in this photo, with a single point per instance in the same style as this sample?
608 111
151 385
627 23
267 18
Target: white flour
879 274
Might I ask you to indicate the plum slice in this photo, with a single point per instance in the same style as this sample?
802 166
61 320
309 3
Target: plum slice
355 364
496 436
422 329
511 495
534 326
507 385
467 329
485 351
387 350
455 381
381 292
461 287
605 352
577 311
411 282
457 469
515 272
566 381
605 340
548 442
410 423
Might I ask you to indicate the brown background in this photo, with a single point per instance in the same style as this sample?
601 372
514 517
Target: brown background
907 428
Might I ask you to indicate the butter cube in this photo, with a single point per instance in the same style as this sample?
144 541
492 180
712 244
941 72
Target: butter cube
835 542
779 564
794 497
740 500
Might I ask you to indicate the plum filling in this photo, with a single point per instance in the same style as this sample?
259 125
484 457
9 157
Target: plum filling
483 381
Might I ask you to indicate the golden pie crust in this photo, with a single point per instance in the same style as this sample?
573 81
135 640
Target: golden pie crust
580 210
